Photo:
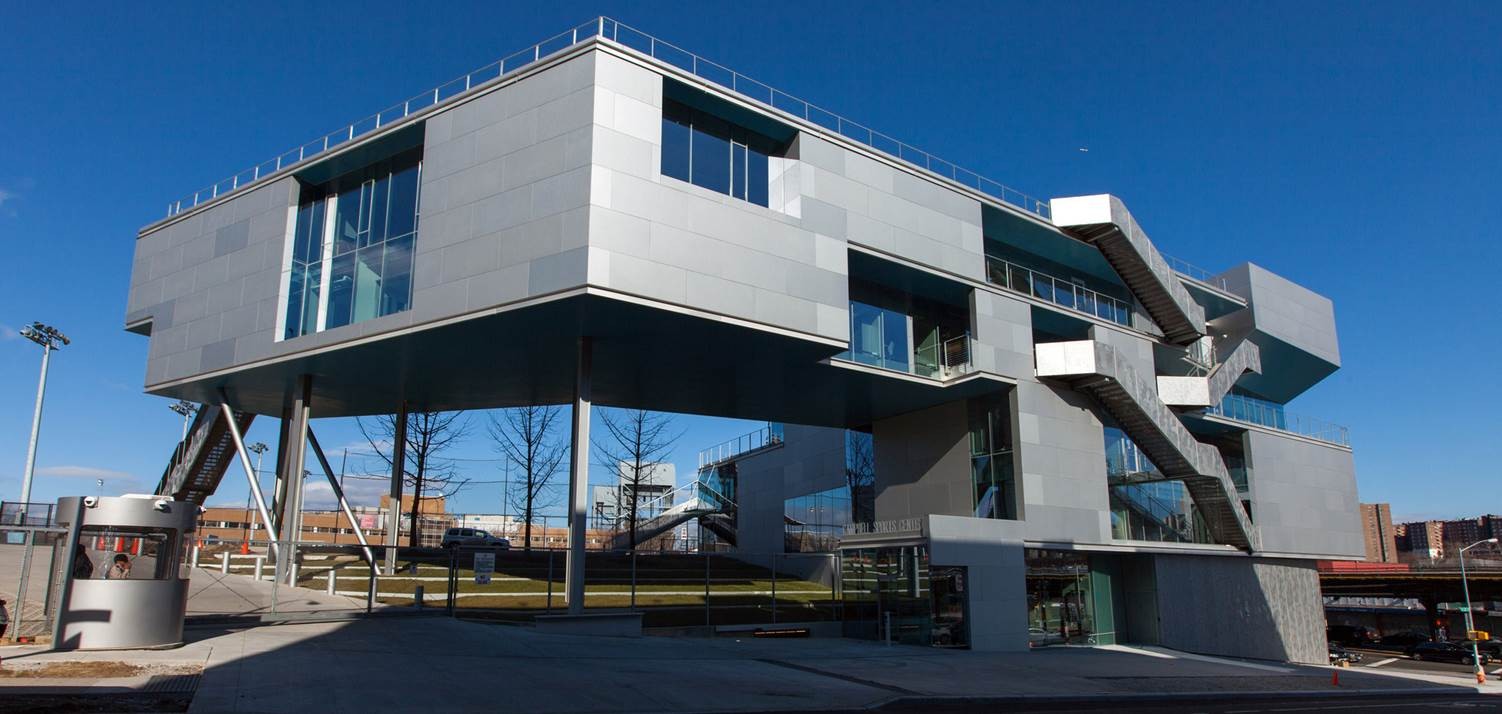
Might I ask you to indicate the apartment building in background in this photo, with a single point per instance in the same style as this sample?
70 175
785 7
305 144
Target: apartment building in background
1016 420
1377 532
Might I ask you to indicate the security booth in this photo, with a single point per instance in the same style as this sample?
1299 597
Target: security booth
124 572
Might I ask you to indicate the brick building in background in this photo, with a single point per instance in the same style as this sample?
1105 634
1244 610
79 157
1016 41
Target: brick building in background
1377 531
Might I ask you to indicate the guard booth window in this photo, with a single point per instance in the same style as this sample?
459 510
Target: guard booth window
125 553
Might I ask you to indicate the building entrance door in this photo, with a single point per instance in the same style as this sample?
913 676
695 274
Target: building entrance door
950 605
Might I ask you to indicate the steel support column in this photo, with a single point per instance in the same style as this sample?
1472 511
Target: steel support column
250 474
296 447
323 462
398 463
578 483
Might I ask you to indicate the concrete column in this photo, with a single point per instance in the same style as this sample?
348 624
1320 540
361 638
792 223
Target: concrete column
295 446
398 462
578 484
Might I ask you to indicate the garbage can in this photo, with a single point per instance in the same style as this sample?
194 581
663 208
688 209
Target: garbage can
124 572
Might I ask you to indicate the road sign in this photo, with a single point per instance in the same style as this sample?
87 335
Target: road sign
484 566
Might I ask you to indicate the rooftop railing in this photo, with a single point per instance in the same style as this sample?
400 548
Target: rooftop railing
769 435
606 28
1242 408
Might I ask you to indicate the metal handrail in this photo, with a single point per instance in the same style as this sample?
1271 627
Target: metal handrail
1043 286
1195 272
769 435
1249 410
947 358
629 37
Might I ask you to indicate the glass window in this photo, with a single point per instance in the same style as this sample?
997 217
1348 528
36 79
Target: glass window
1060 605
374 228
126 553
991 470
709 151
675 141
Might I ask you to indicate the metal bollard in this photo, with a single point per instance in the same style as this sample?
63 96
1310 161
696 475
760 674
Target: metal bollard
195 556
417 596
333 576
224 563
292 571
260 562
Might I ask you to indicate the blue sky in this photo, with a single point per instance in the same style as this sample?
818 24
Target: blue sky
1351 147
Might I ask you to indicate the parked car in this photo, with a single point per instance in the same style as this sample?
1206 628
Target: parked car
473 538
1340 654
1444 652
1404 639
1350 635
1490 648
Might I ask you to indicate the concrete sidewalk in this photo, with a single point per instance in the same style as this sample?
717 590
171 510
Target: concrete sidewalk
211 593
457 666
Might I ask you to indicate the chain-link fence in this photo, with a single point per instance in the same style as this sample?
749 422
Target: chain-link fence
31 563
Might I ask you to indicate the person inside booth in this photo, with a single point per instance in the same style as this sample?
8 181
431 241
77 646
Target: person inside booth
120 569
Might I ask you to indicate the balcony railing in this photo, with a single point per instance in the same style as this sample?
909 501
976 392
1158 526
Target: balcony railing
1250 410
769 435
606 28
942 360
1057 291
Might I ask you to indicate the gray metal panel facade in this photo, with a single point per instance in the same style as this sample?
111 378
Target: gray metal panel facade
209 281
1303 495
1288 311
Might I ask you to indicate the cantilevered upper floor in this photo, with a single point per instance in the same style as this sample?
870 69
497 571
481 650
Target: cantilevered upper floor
732 250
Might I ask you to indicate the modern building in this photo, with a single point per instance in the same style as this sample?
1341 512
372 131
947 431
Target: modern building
1044 430
1377 531
652 488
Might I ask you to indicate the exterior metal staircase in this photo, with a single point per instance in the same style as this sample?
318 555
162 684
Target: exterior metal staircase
1209 390
1095 368
715 511
1104 221
198 463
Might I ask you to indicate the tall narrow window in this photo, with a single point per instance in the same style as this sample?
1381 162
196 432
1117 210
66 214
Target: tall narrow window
370 243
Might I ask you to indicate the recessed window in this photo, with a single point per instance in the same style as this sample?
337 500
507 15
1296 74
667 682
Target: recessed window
709 151
352 247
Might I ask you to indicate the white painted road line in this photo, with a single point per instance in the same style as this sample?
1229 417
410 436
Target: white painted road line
1389 660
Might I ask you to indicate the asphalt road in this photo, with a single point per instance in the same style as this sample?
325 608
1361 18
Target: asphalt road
1456 704
1387 659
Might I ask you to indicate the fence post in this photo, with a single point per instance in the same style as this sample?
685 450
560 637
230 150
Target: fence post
706 589
15 624
633 579
550 576
774 588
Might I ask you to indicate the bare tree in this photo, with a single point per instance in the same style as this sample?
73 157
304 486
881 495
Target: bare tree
636 440
524 437
429 434
860 475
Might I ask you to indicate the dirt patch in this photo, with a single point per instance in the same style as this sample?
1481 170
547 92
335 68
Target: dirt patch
90 670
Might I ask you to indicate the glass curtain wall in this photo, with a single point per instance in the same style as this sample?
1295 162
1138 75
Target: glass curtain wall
1144 506
813 523
991 468
711 152
879 337
369 246
888 585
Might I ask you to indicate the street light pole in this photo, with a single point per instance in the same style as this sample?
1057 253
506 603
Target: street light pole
259 449
49 338
1470 627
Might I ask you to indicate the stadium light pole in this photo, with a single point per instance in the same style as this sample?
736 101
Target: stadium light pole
50 339
1470 627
